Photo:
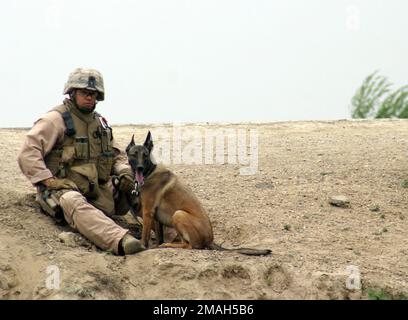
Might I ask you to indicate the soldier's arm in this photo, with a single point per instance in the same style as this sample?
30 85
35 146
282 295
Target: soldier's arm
120 162
38 143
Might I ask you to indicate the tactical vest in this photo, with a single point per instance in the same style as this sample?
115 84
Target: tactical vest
86 154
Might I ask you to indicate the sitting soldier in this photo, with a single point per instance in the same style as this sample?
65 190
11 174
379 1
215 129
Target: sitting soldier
70 156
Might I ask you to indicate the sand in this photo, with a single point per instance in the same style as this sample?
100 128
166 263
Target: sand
319 251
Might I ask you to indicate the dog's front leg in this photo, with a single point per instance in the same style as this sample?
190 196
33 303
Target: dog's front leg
159 232
148 215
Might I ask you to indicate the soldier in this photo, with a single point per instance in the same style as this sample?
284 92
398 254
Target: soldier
70 156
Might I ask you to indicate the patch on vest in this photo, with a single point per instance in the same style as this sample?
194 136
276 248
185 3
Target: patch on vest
104 123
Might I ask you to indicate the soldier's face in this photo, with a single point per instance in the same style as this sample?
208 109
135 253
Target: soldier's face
85 98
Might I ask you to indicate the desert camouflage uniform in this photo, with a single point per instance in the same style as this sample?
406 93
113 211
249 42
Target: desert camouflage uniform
89 158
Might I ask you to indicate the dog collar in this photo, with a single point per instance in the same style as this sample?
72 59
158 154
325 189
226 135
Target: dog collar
136 190
149 171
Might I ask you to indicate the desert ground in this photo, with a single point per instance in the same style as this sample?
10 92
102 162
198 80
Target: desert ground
319 251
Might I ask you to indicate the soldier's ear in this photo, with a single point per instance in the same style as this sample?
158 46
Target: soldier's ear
149 142
131 144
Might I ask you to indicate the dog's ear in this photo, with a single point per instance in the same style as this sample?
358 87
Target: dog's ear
149 142
131 144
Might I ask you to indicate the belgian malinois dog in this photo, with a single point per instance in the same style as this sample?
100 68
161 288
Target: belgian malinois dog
165 200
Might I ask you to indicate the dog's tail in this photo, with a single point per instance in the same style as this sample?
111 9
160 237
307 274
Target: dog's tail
246 251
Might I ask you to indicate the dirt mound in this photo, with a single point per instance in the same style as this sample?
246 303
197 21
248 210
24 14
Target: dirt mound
319 251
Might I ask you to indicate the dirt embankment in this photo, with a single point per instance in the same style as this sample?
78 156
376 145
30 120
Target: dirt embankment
318 250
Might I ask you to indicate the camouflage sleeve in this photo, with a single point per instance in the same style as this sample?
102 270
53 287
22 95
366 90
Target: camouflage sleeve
120 163
38 143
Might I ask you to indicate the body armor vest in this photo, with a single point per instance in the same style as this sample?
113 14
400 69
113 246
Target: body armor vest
86 154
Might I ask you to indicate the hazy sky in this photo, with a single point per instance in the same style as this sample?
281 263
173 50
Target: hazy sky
200 60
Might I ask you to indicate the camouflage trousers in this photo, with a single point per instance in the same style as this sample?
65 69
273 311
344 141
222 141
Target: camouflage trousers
91 217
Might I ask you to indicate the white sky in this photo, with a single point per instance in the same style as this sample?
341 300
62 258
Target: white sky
200 60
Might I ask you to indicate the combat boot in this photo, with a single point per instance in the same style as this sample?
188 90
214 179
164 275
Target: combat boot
130 245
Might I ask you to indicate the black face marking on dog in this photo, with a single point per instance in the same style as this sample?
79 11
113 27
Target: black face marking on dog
139 157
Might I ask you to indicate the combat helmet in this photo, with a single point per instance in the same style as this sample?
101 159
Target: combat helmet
89 79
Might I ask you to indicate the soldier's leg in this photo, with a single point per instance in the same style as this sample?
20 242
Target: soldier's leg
125 202
105 201
121 204
91 222
111 201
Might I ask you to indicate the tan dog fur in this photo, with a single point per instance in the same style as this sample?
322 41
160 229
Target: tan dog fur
166 200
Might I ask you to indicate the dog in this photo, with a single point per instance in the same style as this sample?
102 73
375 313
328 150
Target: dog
165 200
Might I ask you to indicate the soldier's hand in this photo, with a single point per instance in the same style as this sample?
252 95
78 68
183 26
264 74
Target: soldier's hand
58 184
126 183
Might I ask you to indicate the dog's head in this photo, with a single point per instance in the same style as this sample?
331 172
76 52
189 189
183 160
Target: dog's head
139 157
